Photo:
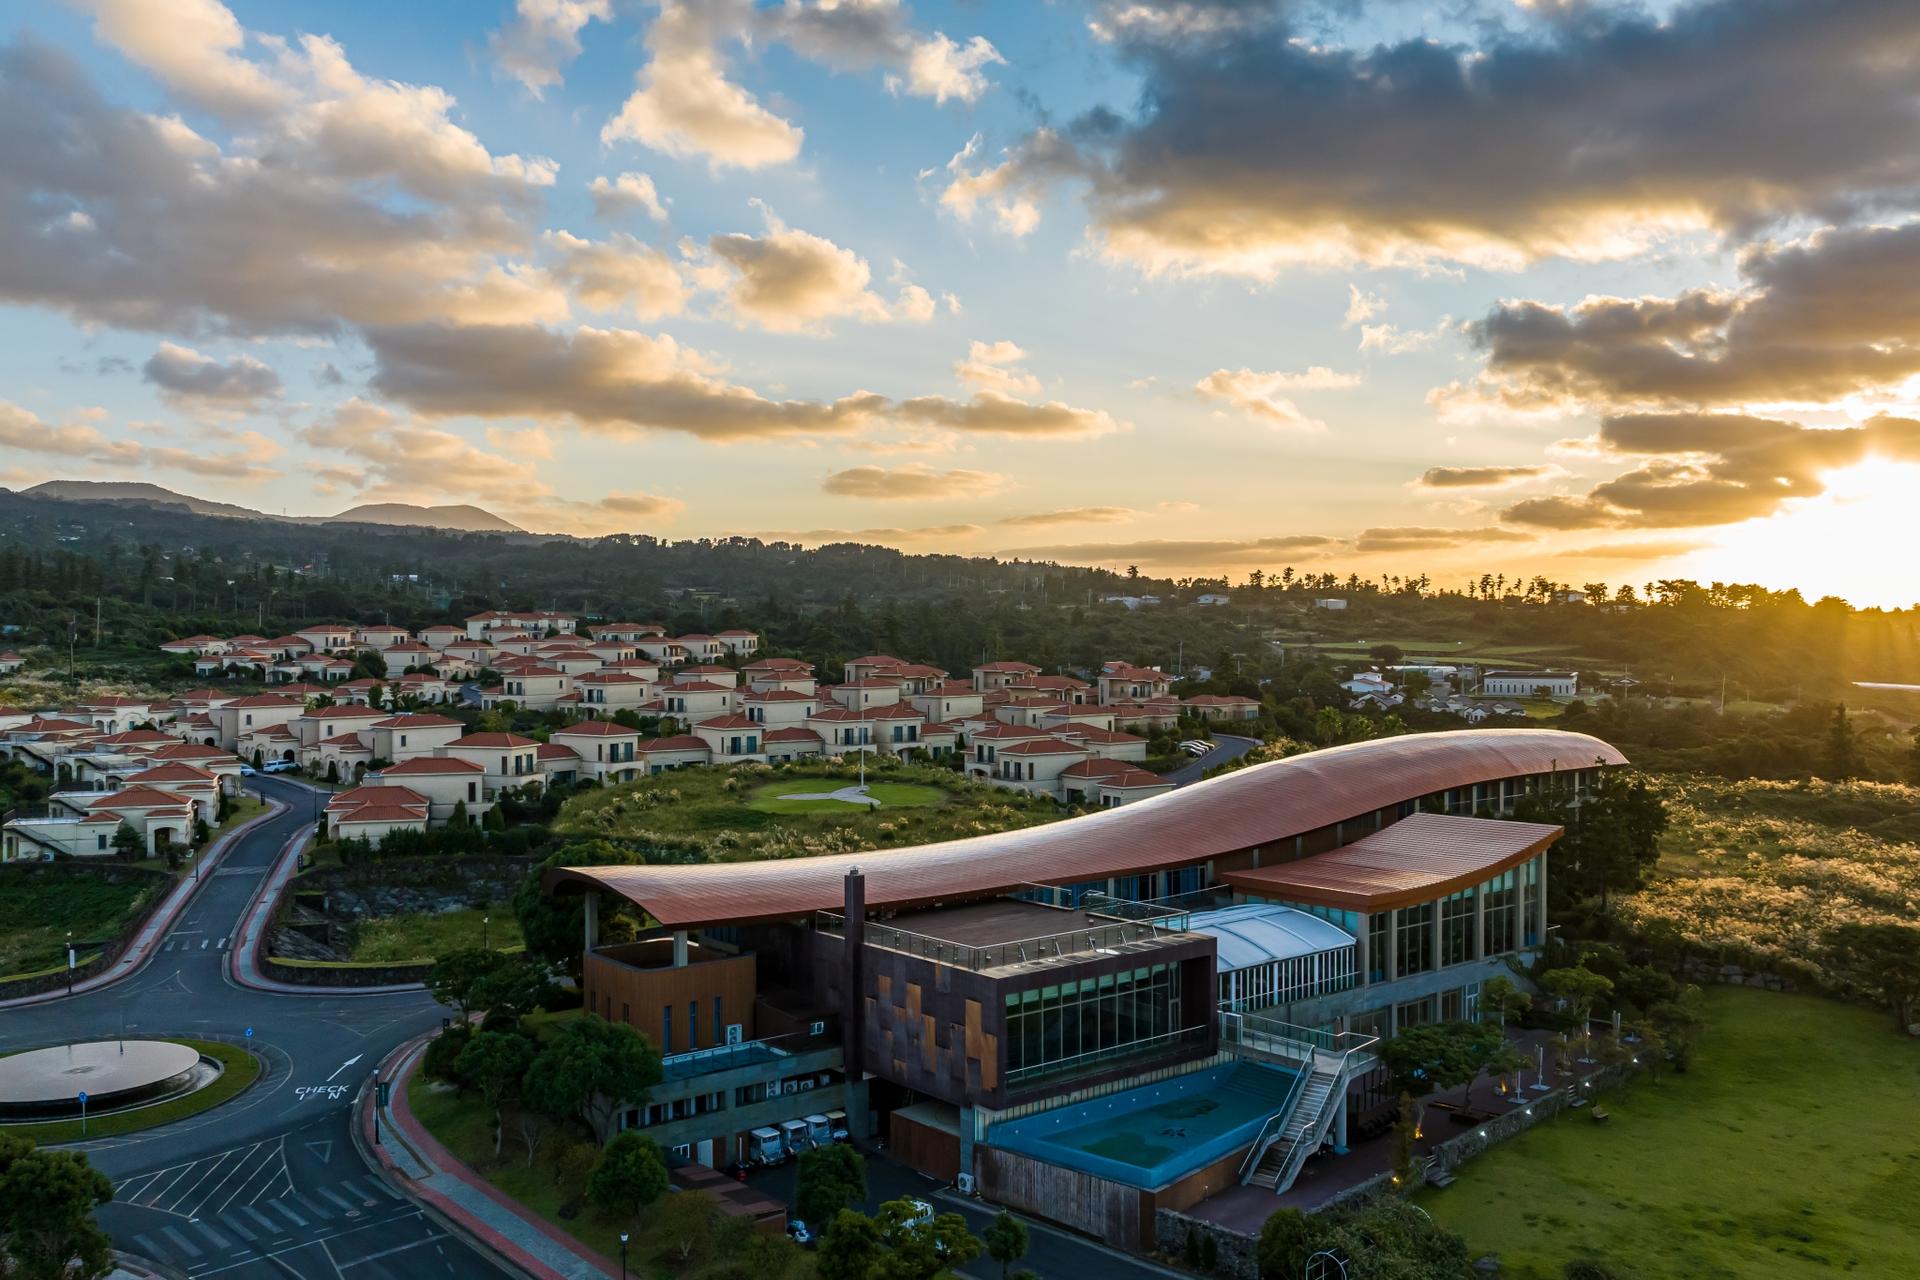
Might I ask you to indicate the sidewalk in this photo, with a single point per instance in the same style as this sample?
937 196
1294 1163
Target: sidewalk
458 1196
244 963
140 950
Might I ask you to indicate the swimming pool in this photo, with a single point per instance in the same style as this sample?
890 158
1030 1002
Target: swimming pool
1153 1135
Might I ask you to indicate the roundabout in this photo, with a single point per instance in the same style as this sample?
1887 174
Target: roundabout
100 1077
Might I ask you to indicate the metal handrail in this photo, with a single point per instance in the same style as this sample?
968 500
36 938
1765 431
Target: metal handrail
1285 1109
1131 1047
1083 939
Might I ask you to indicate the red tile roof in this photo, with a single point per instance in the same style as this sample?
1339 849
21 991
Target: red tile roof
492 740
728 722
424 765
596 729
677 742
1235 811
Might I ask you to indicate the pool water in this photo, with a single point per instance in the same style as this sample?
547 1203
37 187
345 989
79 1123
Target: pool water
1156 1134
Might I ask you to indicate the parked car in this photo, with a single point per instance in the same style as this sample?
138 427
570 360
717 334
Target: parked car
737 1170
280 766
1195 747
247 771
798 1232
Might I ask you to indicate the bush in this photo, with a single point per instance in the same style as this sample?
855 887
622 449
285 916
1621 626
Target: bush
443 1056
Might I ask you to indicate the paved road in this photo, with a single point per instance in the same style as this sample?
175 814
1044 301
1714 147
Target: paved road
1226 746
269 1184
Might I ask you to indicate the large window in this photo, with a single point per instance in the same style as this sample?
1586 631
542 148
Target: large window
1500 899
1416 939
1378 931
1052 1026
1456 927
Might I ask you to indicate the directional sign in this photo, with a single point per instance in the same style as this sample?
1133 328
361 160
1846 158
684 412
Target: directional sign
249 1033
83 1097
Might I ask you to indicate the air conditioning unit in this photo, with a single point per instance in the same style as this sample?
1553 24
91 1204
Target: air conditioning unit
806 1086
790 1086
964 1184
735 1033
817 1029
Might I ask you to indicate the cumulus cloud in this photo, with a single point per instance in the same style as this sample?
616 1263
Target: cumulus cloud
990 413
617 273
1073 515
26 432
793 281
342 200
1258 394
1256 145
1426 538
394 459
542 38
686 106
1818 320
617 197
611 380
190 380
938 68
858 35
1484 477
913 481
995 367
1710 469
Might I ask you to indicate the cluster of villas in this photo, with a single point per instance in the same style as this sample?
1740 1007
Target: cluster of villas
1446 689
1099 1018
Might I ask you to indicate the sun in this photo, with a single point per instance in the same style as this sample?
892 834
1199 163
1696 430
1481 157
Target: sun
1855 541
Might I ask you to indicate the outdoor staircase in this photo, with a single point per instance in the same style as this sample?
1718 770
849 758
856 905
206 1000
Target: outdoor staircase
1297 1131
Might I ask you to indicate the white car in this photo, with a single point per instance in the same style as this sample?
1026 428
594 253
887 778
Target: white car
280 766
1195 747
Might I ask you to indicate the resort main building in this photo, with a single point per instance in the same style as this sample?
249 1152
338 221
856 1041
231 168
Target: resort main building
1105 1016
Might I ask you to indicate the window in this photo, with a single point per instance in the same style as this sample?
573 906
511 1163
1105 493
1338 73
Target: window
666 1030
1377 924
102 840
1456 928
693 1024
1500 901
1416 939
1051 1027
626 1014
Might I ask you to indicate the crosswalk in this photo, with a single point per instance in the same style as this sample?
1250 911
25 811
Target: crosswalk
188 944
253 1212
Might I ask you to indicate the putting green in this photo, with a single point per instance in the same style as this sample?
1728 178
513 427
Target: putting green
776 797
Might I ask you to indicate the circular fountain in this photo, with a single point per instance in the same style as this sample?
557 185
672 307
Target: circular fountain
116 1075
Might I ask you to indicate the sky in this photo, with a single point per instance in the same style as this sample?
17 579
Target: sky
1600 291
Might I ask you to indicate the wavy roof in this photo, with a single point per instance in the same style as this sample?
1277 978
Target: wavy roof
1257 805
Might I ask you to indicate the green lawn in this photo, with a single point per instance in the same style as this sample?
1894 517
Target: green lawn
1788 1152
771 798
417 936
37 912
242 1069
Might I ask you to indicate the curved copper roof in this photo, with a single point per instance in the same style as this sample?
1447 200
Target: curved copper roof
1257 805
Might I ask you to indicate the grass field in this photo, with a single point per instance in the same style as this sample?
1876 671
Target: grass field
1787 1152
771 798
38 911
241 1070
418 936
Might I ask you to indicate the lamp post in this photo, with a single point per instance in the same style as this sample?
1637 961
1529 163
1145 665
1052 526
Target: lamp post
486 943
623 1255
69 962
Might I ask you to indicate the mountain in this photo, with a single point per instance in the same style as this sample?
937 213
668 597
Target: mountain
467 519
460 518
136 492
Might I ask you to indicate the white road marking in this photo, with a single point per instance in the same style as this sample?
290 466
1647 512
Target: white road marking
349 1062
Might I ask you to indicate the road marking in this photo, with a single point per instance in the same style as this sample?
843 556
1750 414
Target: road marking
280 1207
308 1244
349 1062
314 1092
203 944
181 1243
434 1240
351 1209
239 1228
323 1149
147 1246
206 1229
267 1224
279 1151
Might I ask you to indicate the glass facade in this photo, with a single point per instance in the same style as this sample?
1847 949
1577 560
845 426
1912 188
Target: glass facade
1415 953
1378 927
1052 1025
1500 898
1456 927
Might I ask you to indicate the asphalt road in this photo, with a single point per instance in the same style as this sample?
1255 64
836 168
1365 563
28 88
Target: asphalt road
1226 746
269 1184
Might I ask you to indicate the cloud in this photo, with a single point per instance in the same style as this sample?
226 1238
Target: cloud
190 380
1194 552
1073 515
938 68
543 37
24 431
192 46
1258 394
1425 538
993 366
1361 306
791 281
618 272
1711 469
990 413
348 201
1484 477
611 380
1392 340
1818 320
1255 146
399 460
911 482
617 197
685 106
1651 549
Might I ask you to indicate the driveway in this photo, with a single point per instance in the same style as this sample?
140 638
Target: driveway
1226 746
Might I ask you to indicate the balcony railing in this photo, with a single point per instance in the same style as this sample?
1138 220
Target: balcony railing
1099 937
1186 1037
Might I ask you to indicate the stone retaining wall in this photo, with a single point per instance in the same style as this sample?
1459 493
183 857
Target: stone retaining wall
1698 970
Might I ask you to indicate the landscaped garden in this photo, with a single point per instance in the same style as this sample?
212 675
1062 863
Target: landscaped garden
1783 1152
41 905
418 935
238 1070
739 813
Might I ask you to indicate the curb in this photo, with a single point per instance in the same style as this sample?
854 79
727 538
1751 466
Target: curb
181 896
250 933
398 1067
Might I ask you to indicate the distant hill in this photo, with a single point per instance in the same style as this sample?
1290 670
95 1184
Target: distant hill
136 492
462 518
469 519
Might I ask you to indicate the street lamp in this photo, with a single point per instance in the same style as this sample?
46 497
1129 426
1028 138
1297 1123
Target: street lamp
623 1255
69 962
485 944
